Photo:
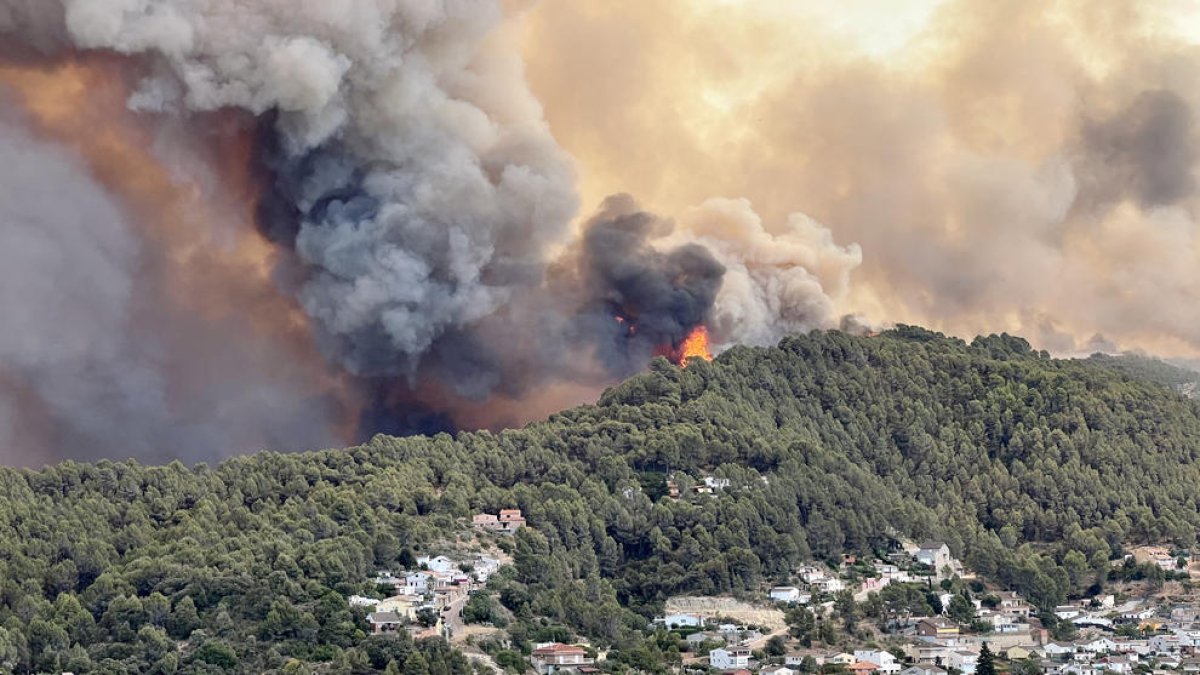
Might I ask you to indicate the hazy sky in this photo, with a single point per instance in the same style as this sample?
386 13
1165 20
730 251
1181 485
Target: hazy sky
1023 166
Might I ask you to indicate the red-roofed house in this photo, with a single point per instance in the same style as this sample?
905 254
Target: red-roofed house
555 657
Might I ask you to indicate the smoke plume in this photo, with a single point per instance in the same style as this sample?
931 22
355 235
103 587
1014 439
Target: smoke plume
287 218
1026 166
239 224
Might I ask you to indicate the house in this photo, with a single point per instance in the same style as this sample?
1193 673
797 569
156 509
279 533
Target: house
869 586
934 554
695 640
1132 646
842 659
788 594
794 659
362 601
1185 613
553 657
937 627
404 605
778 670
1014 605
416 583
682 621
963 661
1114 664
1158 556
1000 622
508 522
811 573
1077 669
386 579
1188 638
1017 653
484 567
884 661
1099 646
714 483
1057 650
924 669
438 564
672 489
1165 644
930 651
1172 662
729 659
1068 612
385 622
862 668
485 521
1138 614
511 520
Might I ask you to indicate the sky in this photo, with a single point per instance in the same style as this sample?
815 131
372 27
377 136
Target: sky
1020 166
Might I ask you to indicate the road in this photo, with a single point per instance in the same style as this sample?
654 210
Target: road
452 619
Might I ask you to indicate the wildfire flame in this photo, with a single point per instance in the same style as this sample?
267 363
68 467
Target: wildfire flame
694 346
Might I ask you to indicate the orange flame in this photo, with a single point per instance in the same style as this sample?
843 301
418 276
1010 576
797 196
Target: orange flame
695 346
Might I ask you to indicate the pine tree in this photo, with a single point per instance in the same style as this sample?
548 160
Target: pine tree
987 664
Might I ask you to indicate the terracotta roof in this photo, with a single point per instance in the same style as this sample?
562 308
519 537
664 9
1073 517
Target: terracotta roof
558 648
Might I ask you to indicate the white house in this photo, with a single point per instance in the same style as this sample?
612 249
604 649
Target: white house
1187 637
964 661
682 621
1132 646
1099 646
777 670
439 564
362 601
884 659
788 594
1001 623
484 568
1056 650
1165 644
733 658
716 483
1068 612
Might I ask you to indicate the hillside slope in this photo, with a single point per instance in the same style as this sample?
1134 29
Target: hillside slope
830 442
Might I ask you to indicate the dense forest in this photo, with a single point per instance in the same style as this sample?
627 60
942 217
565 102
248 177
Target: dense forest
1035 470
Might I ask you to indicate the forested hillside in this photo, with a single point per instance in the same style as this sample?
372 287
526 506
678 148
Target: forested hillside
1035 471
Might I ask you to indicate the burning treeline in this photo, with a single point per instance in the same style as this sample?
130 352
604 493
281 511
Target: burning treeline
235 225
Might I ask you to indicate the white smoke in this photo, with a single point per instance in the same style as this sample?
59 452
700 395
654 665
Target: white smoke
775 282
452 189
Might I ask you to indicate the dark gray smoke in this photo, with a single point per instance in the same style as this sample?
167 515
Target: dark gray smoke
96 360
658 296
421 210
1146 151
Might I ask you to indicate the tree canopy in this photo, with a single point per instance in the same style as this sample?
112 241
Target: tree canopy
1034 470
